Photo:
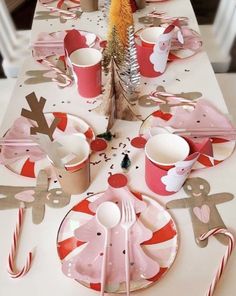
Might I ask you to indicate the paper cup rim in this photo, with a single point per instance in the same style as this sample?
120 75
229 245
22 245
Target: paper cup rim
150 29
165 135
99 57
82 160
77 163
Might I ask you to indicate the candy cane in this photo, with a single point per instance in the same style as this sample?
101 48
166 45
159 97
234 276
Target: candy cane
13 272
157 14
66 13
68 80
224 260
70 15
154 95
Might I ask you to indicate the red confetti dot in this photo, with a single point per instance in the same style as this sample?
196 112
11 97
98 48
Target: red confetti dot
138 142
117 181
98 145
162 115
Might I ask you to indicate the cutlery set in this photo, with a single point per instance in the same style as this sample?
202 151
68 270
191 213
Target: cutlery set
108 216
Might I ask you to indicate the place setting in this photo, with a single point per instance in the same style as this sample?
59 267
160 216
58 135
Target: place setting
123 226
121 170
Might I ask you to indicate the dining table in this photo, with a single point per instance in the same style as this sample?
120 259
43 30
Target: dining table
193 267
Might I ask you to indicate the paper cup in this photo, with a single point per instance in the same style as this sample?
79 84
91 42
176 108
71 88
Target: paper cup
167 149
143 55
162 153
89 5
86 63
74 176
149 36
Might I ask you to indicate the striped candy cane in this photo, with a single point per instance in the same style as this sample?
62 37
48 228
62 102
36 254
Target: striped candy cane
155 95
68 80
224 260
67 14
13 272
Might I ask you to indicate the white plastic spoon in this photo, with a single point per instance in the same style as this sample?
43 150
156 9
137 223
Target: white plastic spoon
108 216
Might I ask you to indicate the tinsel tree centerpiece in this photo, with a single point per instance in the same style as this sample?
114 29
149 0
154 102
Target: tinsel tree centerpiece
114 50
120 65
129 70
121 17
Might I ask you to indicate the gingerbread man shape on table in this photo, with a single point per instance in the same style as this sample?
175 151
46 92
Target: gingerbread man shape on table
33 197
168 101
202 207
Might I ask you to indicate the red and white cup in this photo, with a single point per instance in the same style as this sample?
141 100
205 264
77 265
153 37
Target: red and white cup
143 55
153 47
150 36
162 153
74 175
86 63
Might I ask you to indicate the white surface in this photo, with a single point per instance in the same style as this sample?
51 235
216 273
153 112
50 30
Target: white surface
194 267
6 89
227 84
219 59
219 37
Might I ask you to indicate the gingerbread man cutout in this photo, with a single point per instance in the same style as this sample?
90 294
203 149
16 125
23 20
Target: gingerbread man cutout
202 207
34 197
44 76
169 101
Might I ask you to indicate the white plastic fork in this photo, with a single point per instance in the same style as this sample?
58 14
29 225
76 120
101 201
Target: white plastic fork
195 132
127 221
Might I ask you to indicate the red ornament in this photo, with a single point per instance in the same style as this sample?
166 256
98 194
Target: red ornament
98 145
117 180
138 142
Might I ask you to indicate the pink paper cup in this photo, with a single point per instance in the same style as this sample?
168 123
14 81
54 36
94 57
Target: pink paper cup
149 36
86 63
162 152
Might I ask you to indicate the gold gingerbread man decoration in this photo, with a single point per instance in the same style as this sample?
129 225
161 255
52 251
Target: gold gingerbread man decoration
202 208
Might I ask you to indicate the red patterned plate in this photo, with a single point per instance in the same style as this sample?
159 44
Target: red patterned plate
29 160
161 247
204 115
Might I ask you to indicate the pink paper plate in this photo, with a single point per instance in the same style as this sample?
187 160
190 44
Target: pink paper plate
29 160
203 115
161 247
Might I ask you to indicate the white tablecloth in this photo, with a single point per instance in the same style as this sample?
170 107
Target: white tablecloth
194 268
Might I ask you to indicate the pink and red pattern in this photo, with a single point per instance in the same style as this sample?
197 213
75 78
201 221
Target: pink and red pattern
28 161
203 115
80 241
